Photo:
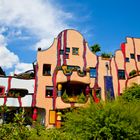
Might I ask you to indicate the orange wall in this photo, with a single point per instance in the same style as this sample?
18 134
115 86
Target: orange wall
75 39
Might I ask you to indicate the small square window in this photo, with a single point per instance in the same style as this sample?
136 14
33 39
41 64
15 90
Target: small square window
68 50
67 56
75 51
92 72
46 69
132 56
127 59
138 57
61 52
49 91
121 74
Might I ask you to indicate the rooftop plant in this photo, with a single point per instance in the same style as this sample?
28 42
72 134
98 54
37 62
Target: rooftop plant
106 55
95 48
132 73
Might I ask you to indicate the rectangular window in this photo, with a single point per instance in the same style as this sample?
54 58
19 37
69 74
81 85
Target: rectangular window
92 72
75 51
49 91
121 74
127 59
46 70
132 56
138 57
68 50
67 56
61 52
2 90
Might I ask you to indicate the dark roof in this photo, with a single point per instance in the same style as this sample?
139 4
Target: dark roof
2 72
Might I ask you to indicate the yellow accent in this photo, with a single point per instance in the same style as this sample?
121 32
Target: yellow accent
52 117
59 116
59 87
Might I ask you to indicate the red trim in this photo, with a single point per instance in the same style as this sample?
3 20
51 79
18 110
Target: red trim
65 44
5 100
123 47
58 49
9 83
97 100
135 54
3 90
96 83
117 77
68 78
84 54
124 55
110 66
96 80
55 72
35 87
20 102
34 116
64 58
8 88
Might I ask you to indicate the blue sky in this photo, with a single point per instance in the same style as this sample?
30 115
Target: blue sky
28 24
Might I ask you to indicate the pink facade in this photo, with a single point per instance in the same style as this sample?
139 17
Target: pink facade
67 74
101 75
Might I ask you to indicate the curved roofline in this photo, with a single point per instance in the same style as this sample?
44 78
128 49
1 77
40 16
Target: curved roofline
49 47
59 34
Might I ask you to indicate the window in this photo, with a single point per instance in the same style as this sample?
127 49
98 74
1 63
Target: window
67 56
16 92
121 74
61 52
2 90
68 50
127 59
75 51
138 57
49 91
132 56
46 69
92 72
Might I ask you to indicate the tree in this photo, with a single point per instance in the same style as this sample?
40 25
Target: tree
95 48
113 120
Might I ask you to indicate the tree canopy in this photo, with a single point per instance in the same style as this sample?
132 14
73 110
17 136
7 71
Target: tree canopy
95 48
117 119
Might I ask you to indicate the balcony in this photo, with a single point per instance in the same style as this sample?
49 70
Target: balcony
72 94
26 101
74 73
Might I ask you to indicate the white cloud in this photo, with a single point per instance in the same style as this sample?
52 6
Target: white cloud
23 19
7 59
43 43
3 29
11 60
22 67
40 17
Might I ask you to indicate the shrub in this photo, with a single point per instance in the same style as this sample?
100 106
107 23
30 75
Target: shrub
81 98
106 55
132 93
132 73
115 120
65 97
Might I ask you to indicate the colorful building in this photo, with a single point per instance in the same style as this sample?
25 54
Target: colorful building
66 74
